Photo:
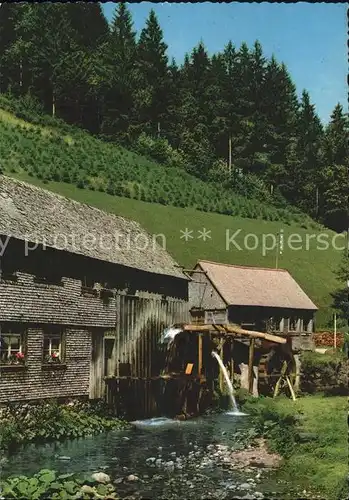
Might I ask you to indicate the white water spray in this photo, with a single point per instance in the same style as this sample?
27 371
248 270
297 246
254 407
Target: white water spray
236 410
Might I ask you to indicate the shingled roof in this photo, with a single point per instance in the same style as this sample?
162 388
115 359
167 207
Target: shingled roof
256 286
39 216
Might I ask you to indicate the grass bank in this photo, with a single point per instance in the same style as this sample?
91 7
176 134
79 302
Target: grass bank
311 433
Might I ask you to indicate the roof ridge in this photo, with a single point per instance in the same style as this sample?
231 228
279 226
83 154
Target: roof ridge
67 199
241 266
81 219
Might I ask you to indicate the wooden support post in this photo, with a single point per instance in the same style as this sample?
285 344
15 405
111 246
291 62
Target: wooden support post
291 388
278 383
298 373
231 361
250 366
200 354
221 377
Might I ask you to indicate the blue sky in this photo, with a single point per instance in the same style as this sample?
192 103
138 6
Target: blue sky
309 38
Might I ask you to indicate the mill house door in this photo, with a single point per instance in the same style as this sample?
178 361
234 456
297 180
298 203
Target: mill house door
109 353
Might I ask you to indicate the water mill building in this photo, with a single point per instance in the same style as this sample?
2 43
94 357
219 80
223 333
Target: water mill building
83 294
85 298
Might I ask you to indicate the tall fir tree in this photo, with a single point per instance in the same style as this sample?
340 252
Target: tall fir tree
217 106
56 63
11 68
90 32
258 158
280 108
243 128
172 121
119 58
152 92
230 135
334 177
306 170
195 140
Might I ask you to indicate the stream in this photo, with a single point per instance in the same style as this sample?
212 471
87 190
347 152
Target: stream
160 458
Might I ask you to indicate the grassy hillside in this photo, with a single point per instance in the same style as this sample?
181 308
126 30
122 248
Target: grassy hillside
30 148
53 151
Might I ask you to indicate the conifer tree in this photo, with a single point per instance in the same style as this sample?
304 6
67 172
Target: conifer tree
172 122
195 139
257 153
217 106
244 108
152 97
280 108
119 58
229 97
334 178
10 68
84 94
305 176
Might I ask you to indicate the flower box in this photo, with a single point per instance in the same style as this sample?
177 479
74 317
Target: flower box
52 359
17 359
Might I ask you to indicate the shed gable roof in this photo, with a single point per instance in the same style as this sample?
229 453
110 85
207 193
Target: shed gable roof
256 286
40 216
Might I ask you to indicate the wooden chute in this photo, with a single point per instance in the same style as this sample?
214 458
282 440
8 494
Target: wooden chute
234 330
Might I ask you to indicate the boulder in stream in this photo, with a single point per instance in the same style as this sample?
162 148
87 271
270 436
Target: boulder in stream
101 477
132 477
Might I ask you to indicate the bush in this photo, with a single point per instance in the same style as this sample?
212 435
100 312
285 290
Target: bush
49 421
325 372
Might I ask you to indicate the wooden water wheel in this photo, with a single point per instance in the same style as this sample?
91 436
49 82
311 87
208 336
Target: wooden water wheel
277 370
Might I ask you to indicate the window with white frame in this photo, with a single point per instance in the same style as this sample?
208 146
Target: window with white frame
11 345
53 351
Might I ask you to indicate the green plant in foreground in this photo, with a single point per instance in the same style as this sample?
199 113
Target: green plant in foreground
47 484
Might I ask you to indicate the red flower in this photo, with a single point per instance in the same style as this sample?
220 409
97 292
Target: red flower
55 355
20 355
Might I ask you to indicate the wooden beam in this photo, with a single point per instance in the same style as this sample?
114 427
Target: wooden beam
233 330
231 360
199 354
278 383
250 365
291 388
221 378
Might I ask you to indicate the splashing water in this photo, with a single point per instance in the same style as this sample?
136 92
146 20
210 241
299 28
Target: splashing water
155 422
235 410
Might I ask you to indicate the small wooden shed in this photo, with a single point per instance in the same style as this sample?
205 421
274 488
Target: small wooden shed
255 298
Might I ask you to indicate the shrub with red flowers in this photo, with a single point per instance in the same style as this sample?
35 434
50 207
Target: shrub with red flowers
52 358
14 359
